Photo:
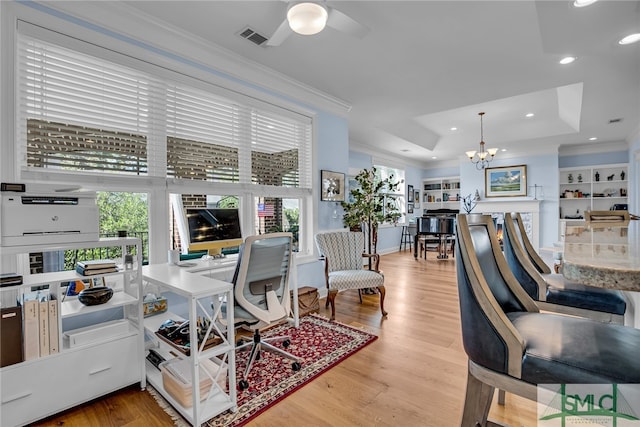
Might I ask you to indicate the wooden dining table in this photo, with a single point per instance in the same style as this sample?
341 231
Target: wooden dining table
606 255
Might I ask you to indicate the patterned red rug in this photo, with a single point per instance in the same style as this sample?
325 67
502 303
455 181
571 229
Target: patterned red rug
320 343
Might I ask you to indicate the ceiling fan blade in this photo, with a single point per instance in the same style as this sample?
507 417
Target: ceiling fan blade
280 34
346 24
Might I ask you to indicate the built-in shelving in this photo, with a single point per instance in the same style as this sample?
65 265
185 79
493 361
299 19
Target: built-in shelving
71 371
438 193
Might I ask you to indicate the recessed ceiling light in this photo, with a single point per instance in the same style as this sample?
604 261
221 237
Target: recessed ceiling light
434 157
503 150
454 128
631 38
567 60
583 3
529 115
593 138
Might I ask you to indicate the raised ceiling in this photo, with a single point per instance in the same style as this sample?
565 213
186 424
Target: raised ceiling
427 66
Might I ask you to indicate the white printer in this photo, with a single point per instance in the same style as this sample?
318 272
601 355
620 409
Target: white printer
37 217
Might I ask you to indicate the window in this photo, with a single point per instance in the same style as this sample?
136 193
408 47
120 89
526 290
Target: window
90 111
395 197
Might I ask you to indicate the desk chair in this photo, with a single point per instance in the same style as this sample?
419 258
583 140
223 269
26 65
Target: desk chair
552 292
261 295
514 347
343 260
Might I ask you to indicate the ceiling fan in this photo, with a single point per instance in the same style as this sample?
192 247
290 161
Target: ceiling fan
310 17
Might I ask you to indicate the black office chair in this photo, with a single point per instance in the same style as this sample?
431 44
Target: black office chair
557 295
261 295
514 347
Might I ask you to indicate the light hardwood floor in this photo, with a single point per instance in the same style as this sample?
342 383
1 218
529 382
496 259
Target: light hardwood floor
413 375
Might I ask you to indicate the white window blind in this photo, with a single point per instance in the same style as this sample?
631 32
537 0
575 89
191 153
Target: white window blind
78 112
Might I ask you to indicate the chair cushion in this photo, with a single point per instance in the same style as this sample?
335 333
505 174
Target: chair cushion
563 292
355 279
561 349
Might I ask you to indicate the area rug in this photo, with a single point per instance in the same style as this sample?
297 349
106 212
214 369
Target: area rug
320 343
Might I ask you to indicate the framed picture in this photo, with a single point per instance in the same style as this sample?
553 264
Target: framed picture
332 186
416 197
410 208
410 193
507 181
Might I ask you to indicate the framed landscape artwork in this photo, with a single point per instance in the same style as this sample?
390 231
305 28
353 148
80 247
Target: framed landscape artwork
332 186
506 181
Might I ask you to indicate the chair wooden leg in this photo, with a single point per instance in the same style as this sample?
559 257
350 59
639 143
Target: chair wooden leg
501 397
477 402
382 293
331 298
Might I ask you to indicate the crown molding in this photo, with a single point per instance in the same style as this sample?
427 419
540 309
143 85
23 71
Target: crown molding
145 35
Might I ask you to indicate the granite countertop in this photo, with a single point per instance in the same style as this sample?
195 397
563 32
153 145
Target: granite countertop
604 255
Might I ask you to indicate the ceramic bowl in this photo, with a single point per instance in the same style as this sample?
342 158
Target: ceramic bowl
95 296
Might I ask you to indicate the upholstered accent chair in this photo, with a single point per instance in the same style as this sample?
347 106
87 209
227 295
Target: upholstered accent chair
343 253
552 292
514 347
261 295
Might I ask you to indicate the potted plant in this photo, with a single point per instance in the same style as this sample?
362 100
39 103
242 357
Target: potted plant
372 204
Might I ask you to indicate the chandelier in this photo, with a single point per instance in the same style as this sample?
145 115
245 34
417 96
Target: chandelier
481 158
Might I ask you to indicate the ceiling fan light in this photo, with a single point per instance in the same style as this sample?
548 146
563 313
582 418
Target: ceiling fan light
307 18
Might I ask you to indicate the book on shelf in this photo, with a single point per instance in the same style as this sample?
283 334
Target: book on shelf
31 338
93 271
96 264
43 326
10 336
10 279
54 334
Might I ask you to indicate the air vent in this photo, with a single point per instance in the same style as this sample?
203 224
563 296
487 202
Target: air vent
252 36
612 121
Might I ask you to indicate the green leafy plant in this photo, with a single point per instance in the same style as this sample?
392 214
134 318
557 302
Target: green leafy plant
372 204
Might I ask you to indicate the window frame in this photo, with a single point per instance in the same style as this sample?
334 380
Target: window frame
157 183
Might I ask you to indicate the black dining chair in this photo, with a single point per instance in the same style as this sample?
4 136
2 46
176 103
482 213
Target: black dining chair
552 292
514 347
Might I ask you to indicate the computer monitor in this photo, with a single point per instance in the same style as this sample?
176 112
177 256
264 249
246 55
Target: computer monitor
213 229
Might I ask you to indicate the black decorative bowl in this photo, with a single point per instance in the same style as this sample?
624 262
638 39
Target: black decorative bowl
95 296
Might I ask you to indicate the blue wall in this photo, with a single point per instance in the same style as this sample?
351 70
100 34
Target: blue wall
332 153
593 159
541 170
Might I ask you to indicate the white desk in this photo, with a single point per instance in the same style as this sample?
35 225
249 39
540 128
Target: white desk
201 292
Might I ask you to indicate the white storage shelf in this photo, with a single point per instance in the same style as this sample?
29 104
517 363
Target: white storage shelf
100 366
199 291
440 193
592 188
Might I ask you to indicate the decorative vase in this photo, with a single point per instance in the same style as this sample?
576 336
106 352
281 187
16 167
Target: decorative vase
597 176
579 177
570 178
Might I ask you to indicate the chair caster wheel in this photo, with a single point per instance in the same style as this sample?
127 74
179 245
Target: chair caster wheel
286 343
243 384
296 366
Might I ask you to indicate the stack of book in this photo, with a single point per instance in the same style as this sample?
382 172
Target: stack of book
96 266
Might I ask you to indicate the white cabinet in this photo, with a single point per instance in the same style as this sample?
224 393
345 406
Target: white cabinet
591 188
438 193
108 357
200 298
